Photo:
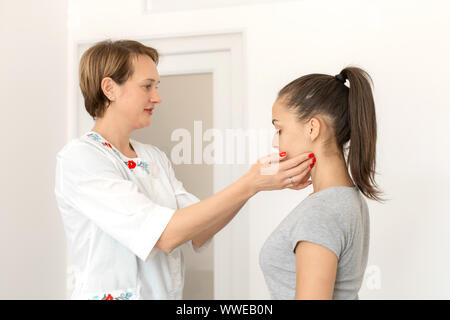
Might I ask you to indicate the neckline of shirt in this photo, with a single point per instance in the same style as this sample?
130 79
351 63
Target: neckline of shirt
354 188
132 143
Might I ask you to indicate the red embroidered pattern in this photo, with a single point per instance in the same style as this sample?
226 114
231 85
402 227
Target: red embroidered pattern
131 164
123 296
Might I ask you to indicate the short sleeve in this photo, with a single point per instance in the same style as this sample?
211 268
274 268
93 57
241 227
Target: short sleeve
320 226
90 182
183 197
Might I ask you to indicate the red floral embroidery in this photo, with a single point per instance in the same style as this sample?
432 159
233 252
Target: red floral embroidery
131 164
107 144
109 297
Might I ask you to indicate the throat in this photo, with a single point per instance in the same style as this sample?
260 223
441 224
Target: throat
131 153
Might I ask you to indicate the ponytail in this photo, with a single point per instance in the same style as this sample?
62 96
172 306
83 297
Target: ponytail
363 132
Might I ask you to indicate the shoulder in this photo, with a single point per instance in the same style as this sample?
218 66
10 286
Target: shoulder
82 153
332 208
337 210
337 202
77 147
313 212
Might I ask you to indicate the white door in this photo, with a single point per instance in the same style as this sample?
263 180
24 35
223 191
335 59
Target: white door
187 102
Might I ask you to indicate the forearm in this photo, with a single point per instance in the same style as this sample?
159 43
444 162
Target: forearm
189 222
209 233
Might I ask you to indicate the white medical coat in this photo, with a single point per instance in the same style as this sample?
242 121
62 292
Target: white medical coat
114 210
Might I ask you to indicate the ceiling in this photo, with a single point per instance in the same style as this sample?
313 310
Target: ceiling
155 6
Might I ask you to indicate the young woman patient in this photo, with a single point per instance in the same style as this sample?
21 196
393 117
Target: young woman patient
319 251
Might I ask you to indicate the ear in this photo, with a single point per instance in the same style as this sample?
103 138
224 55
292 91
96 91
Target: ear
108 87
313 127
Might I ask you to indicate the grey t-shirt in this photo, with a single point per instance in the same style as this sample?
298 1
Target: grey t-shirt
336 218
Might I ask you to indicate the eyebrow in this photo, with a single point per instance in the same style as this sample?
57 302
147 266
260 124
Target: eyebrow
152 80
273 120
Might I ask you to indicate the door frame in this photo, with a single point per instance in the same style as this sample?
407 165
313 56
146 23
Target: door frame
226 63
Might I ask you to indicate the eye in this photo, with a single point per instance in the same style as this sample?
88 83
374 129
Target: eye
149 86
278 132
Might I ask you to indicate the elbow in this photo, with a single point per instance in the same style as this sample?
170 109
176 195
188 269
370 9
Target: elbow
167 250
198 244
165 245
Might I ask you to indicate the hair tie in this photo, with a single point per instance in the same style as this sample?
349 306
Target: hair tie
340 77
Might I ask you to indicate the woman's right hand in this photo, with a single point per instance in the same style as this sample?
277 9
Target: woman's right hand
273 172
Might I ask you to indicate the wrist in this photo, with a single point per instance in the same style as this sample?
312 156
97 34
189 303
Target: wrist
248 186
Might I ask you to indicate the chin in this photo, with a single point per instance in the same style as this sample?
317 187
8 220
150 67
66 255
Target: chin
143 125
147 122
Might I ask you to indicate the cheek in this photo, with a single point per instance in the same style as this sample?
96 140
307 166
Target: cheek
293 144
135 98
282 142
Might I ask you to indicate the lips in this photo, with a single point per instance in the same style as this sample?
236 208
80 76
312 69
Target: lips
149 110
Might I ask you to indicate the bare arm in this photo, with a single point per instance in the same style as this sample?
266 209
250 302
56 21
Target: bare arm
203 219
315 271
209 233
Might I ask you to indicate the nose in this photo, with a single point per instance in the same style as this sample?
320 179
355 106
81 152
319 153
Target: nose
155 97
275 141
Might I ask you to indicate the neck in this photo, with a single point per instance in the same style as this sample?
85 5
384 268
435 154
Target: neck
117 135
330 170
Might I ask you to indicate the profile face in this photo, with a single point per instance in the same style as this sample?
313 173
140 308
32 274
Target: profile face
291 136
138 96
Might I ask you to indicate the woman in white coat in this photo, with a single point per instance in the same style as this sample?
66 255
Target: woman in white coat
124 212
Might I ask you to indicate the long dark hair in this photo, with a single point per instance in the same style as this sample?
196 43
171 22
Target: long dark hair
352 110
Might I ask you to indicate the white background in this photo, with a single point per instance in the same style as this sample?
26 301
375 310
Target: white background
33 69
402 44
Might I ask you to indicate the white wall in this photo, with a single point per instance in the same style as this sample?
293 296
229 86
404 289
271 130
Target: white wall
402 44
33 63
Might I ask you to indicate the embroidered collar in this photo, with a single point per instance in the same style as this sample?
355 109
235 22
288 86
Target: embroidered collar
131 164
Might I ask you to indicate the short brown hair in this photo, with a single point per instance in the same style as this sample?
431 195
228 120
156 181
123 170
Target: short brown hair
112 59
